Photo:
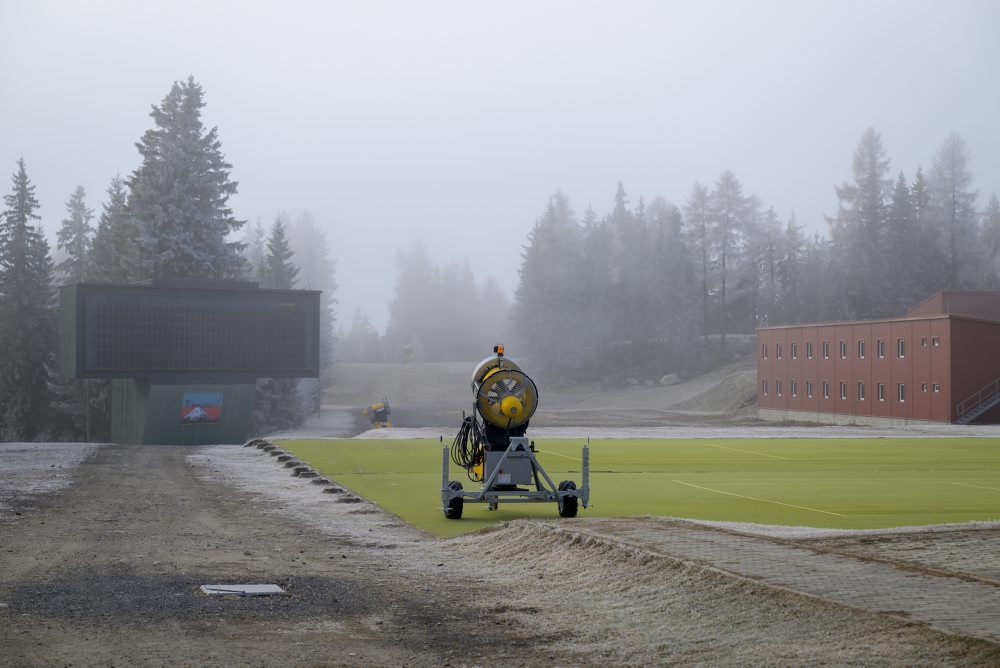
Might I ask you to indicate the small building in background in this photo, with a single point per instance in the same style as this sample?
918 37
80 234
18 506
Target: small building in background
940 363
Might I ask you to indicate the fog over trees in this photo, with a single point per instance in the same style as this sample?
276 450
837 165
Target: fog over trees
633 292
647 290
170 219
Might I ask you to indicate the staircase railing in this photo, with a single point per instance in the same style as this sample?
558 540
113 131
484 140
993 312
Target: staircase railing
971 403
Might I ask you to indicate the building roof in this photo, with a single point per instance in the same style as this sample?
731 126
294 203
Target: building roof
978 304
974 306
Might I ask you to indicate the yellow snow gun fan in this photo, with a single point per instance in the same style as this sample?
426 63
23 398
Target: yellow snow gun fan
496 453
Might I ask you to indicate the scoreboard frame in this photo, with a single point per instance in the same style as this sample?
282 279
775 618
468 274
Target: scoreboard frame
177 330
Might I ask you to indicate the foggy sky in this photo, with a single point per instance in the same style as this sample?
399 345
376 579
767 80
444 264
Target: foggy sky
454 121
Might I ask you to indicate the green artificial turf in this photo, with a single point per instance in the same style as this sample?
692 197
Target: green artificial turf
839 483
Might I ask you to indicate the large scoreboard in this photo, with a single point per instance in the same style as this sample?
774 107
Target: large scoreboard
184 330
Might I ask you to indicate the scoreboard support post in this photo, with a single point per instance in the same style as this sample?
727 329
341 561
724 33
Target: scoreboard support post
150 412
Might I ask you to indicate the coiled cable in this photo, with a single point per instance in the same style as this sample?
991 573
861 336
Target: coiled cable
468 447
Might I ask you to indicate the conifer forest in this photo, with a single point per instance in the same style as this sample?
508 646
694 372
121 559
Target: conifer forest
643 288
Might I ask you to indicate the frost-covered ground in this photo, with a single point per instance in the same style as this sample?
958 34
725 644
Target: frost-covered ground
30 470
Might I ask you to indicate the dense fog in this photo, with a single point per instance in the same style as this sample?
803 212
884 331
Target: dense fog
618 189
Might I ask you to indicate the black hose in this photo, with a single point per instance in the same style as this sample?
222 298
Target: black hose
468 447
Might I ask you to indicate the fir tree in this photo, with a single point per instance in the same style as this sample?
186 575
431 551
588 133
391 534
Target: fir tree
278 272
114 255
547 298
858 232
361 343
953 202
75 238
179 194
417 276
254 248
27 316
698 213
729 221
991 243
317 271
277 404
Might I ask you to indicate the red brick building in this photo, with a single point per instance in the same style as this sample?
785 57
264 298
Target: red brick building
941 362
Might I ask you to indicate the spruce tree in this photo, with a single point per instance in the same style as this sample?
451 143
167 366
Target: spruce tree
317 271
278 272
858 232
114 256
547 299
253 250
991 243
277 404
27 316
953 202
728 226
75 239
179 195
698 214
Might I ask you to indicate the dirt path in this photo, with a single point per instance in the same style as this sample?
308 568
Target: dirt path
106 573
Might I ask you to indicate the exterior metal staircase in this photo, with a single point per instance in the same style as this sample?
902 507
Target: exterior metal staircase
977 404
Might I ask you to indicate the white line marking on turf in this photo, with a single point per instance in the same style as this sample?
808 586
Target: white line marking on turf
965 484
753 498
548 452
747 452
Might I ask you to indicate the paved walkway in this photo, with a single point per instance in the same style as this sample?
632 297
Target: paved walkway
951 604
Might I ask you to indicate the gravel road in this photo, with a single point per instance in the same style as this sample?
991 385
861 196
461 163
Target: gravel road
106 570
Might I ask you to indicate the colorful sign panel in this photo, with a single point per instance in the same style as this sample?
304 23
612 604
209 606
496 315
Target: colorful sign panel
201 407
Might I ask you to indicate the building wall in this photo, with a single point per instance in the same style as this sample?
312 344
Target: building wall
844 374
148 413
976 361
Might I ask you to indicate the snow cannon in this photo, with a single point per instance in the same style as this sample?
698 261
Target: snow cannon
493 449
378 414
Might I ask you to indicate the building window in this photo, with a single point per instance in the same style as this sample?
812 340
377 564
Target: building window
923 387
861 350
923 341
795 351
861 391
763 351
763 387
777 387
795 388
777 350
900 348
826 350
936 388
826 389
881 348
901 392
809 389
936 341
843 390
809 349
881 391
843 350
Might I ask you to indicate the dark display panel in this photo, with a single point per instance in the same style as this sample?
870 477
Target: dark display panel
164 332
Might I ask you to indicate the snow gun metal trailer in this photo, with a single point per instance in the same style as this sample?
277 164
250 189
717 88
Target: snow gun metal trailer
496 452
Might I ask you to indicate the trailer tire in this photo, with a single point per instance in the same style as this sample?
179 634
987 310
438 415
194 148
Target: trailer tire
455 505
568 505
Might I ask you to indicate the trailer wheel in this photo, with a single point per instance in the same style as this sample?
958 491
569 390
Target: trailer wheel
456 505
567 504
